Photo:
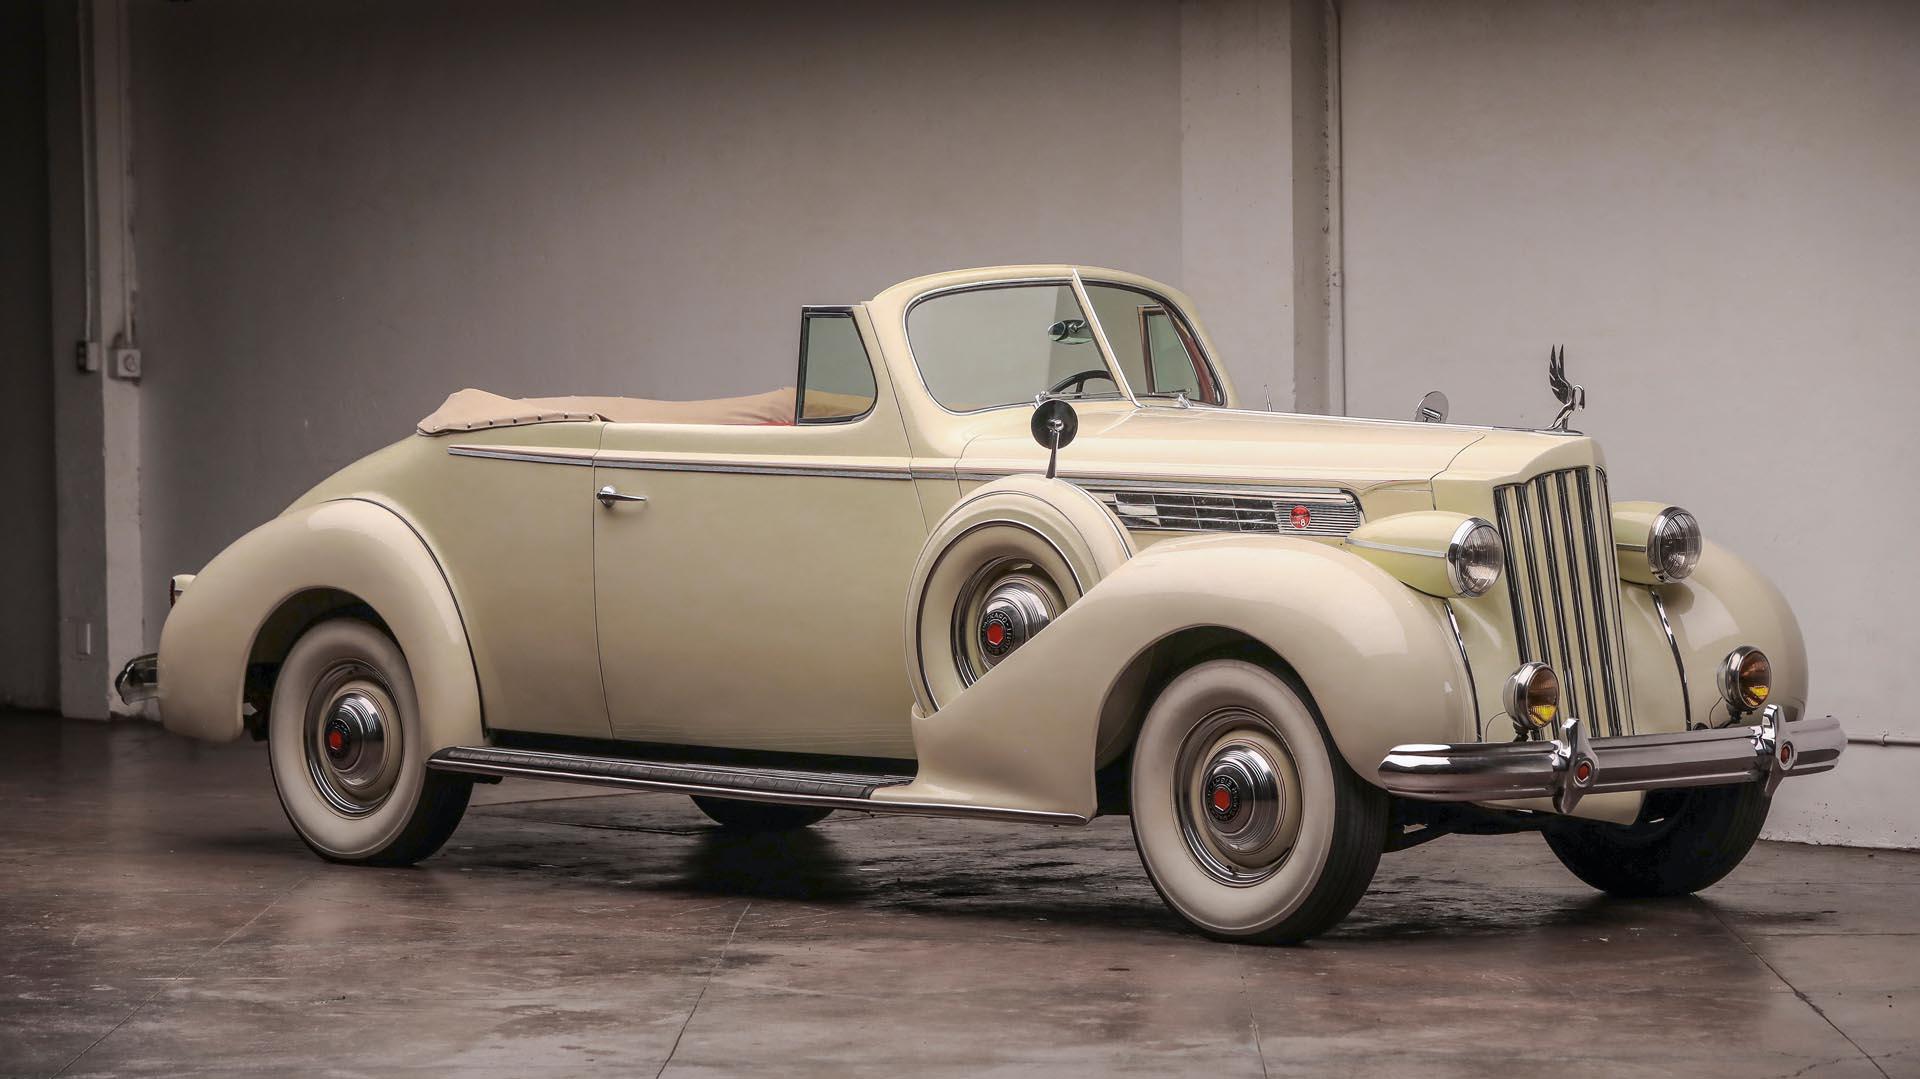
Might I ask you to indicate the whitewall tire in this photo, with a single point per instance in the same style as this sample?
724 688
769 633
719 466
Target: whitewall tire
1249 822
349 760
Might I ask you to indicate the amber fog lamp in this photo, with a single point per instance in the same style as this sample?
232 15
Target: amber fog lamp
1746 678
1532 696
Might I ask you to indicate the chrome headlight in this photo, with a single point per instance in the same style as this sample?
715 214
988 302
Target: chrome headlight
1655 543
1439 552
1474 557
1673 545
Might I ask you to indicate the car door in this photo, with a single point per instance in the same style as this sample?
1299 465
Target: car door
754 598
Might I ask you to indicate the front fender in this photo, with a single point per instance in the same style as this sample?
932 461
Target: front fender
1722 605
1376 656
352 546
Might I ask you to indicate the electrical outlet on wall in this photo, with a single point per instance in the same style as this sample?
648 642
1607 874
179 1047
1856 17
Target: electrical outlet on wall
126 363
86 356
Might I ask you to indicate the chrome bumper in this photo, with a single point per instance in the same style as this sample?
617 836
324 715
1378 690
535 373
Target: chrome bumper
139 680
1574 765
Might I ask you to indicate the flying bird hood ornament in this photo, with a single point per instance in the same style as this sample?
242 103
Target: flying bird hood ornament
1570 396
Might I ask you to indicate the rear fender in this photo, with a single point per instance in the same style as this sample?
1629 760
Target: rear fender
350 546
1376 656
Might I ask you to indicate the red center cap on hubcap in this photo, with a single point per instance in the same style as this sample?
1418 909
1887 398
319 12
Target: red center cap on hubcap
996 634
1222 799
336 741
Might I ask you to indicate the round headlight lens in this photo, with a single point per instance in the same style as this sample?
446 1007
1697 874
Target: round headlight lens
1673 544
1474 557
1746 678
1532 696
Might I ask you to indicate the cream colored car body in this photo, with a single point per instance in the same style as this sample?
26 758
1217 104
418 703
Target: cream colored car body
757 599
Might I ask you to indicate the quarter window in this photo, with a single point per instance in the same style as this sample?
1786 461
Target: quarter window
836 378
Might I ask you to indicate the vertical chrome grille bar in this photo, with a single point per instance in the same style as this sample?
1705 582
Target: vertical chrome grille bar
1569 674
1504 520
1602 605
1533 579
1611 568
1572 578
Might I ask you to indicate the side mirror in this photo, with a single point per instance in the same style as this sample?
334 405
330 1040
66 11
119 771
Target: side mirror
1433 408
1070 331
1053 425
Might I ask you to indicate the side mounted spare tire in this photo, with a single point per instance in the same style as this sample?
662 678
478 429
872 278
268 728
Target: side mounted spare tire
1007 559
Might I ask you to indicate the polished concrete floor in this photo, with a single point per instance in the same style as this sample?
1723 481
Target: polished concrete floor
157 917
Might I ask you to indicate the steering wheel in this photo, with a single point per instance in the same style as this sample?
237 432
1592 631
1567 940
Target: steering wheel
1078 380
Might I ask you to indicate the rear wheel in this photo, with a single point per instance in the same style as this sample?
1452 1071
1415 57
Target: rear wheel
1684 841
759 816
1248 820
348 758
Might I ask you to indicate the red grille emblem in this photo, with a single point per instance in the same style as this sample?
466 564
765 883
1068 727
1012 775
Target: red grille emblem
1301 517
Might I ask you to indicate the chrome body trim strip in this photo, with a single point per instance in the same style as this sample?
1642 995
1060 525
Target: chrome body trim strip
606 771
1473 690
525 454
756 468
1394 548
1679 663
1781 746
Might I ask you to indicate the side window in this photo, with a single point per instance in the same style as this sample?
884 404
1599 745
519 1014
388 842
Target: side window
836 378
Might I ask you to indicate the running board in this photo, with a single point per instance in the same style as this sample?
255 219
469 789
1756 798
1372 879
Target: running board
836 790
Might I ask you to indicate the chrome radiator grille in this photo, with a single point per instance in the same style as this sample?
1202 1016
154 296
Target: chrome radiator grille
1565 588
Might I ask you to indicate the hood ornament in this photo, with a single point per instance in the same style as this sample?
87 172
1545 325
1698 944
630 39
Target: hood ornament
1570 396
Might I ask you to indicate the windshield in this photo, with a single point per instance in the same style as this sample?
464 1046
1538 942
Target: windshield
1001 345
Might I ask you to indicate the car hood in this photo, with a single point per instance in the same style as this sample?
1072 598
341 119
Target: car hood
1231 446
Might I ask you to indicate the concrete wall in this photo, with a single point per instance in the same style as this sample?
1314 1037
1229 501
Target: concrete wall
1716 208
349 210
29 667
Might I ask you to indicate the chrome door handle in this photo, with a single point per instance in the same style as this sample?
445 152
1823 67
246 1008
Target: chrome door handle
608 496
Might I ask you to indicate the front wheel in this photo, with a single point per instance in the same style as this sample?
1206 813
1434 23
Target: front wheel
1684 841
1248 820
348 756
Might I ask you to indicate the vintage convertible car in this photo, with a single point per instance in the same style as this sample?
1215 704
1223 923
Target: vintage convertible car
1283 644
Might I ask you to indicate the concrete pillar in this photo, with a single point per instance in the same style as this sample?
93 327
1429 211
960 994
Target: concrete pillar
1259 194
96 397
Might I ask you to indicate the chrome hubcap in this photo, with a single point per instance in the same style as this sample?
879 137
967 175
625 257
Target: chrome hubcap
1014 611
353 754
1238 797
1000 608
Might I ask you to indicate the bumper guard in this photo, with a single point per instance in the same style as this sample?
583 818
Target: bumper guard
139 680
1574 765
